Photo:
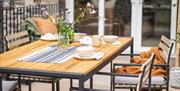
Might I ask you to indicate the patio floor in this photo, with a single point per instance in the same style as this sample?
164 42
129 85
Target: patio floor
100 82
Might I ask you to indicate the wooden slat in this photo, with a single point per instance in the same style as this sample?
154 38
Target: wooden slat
147 64
73 65
164 56
166 40
18 42
164 48
16 35
146 67
17 39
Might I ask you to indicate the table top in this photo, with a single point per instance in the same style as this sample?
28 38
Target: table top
9 59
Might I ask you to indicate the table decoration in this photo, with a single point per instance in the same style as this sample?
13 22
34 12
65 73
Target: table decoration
66 28
50 54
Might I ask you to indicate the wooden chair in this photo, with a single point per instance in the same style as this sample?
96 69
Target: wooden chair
143 78
132 81
13 41
165 47
19 39
157 82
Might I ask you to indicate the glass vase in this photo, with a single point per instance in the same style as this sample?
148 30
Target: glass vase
63 41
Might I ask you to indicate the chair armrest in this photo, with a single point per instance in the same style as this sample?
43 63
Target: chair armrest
116 74
121 64
130 54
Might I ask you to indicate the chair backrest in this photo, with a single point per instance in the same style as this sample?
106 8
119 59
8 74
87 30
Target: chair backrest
17 39
165 47
146 73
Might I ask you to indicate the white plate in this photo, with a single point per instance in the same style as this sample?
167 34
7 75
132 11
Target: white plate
48 39
49 36
96 56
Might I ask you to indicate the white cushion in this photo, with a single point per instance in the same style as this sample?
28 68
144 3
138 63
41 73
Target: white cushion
9 85
156 80
126 80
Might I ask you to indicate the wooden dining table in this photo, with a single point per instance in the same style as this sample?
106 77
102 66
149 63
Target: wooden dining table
74 68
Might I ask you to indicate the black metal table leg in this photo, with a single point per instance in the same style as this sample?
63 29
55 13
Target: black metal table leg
30 86
53 85
132 49
71 84
57 86
0 84
113 79
19 82
111 82
91 82
81 85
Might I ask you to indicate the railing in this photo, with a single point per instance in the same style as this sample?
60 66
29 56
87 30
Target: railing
13 17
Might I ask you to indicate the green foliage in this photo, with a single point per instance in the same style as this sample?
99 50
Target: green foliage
80 14
65 29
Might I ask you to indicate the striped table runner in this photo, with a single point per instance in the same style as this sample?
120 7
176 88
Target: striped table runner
50 54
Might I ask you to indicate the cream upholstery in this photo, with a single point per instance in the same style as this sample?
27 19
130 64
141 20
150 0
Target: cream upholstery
9 85
156 80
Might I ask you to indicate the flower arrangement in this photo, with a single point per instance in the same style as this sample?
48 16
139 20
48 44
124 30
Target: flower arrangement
66 28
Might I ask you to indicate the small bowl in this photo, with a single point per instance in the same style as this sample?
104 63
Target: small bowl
110 38
85 51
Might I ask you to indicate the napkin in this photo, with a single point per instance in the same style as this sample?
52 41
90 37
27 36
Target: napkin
49 36
95 56
86 40
98 55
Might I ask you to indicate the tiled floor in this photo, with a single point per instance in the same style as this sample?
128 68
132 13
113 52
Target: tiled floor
100 82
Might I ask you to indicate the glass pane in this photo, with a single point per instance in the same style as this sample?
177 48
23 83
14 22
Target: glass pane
118 17
156 21
89 24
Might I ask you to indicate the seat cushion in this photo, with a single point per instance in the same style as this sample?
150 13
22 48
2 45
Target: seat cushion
126 80
156 80
9 85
